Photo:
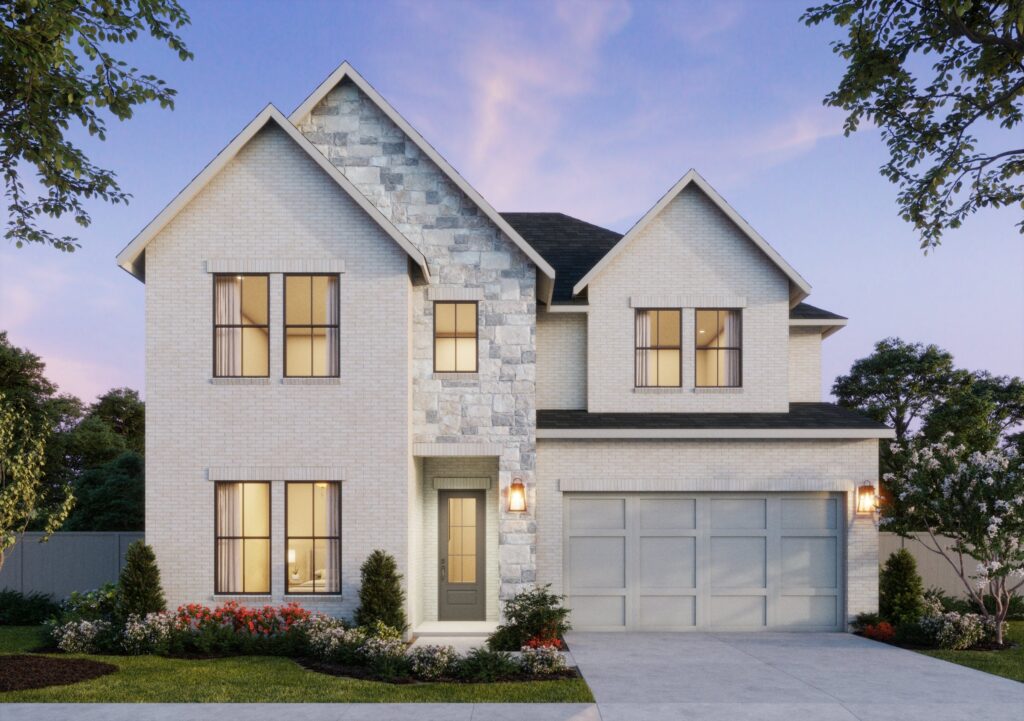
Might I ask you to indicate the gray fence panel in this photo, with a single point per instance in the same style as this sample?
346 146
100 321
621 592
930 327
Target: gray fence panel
934 569
67 562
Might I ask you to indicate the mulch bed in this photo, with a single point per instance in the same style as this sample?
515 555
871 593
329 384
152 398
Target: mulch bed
22 671
362 673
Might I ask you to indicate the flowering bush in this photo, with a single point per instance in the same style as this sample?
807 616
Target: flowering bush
542 660
955 631
432 662
151 633
882 631
233 628
534 613
544 641
385 654
82 636
334 642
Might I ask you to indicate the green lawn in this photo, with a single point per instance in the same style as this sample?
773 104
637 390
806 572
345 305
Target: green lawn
1002 663
262 679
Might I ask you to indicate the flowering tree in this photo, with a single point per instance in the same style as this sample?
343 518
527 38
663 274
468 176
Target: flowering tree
974 499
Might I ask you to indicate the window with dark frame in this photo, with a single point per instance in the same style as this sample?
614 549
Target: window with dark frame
311 326
658 360
241 326
718 348
313 537
242 537
455 336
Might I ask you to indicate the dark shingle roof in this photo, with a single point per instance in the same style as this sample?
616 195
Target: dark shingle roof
572 246
806 311
810 416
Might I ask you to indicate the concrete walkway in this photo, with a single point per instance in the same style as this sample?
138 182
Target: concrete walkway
784 676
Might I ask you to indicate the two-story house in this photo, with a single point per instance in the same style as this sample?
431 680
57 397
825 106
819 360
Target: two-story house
348 348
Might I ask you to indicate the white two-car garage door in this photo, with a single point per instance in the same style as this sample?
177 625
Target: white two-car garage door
653 561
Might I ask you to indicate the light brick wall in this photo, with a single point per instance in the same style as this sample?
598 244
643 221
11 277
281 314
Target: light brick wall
804 364
562 360
273 202
712 466
691 249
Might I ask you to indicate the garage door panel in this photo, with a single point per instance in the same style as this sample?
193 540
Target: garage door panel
809 562
598 611
598 513
597 562
668 611
736 513
667 513
739 562
735 611
808 611
668 562
809 513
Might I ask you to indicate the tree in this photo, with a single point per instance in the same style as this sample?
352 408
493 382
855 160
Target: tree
45 85
975 499
24 498
138 588
110 497
900 589
936 76
979 409
380 592
125 414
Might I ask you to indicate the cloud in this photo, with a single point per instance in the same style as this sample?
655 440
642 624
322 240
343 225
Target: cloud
796 133
28 289
695 23
83 378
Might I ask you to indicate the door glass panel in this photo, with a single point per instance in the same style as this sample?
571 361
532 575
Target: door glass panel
462 540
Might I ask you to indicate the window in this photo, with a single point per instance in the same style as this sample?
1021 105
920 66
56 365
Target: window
242 538
658 348
311 325
455 337
241 338
313 537
719 354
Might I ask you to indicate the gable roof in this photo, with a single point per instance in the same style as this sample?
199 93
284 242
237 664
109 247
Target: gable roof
571 245
805 314
345 70
799 288
132 258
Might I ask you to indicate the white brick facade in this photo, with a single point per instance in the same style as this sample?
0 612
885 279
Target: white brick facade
562 360
804 364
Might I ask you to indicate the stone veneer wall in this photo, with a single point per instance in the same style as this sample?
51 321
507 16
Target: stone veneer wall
471 258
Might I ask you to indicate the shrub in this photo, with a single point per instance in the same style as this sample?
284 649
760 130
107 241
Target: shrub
1016 612
482 665
19 609
98 604
335 642
541 660
152 633
380 592
863 620
431 663
529 614
83 636
882 631
138 589
900 590
385 656
954 631
232 629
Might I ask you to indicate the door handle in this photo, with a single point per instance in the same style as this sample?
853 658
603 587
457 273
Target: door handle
444 569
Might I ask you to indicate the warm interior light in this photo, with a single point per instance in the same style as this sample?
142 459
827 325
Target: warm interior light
517 497
291 555
866 499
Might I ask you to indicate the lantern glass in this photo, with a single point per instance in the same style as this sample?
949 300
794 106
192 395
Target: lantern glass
517 497
866 500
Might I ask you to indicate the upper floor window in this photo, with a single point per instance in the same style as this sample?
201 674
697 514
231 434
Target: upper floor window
241 338
455 336
311 334
314 537
242 526
719 349
658 348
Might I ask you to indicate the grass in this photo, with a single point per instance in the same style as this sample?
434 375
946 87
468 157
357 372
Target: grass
262 679
1001 663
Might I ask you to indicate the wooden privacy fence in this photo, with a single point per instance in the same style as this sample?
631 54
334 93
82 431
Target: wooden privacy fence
934 569
67 562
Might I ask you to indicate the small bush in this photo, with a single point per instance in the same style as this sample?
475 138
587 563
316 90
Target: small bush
83 636
536 613
900 590
954 631
541 660
138 589
380 592
484 666
19 609
863 620
385 656
882 631
431 663
149 634
99 604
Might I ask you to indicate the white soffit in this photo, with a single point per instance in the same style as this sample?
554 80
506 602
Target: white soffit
132 258
719 433
799 288
345 70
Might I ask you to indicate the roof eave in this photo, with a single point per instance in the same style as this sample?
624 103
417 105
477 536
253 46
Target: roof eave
714 433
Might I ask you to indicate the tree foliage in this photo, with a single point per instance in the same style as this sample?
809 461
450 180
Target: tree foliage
138 588
57 68
381 597
110 497
900 589
944 82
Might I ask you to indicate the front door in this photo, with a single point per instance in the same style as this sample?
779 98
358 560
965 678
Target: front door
460 555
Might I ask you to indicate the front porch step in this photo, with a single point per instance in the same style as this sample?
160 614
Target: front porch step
434 629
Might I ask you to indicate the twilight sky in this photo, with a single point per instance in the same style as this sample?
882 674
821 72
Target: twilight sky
590 108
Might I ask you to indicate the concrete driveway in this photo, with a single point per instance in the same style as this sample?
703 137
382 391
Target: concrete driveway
784 676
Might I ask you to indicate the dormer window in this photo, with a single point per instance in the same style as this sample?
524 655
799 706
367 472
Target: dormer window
719 349
241 337
658 348
455 338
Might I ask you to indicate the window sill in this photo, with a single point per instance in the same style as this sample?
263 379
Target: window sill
311 381
244 597
457 375
718 390
659 391
256 381
308 596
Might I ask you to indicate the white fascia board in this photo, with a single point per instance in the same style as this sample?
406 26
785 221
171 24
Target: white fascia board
828 327
129 257
712 433
567 308
800 288
345 70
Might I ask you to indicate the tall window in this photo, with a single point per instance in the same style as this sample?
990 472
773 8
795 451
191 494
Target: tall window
241 338
314 537
311 325
242 537
455 336
658 348
719 349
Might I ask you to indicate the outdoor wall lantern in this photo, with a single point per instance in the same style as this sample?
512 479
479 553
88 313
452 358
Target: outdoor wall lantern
517 496
866 501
